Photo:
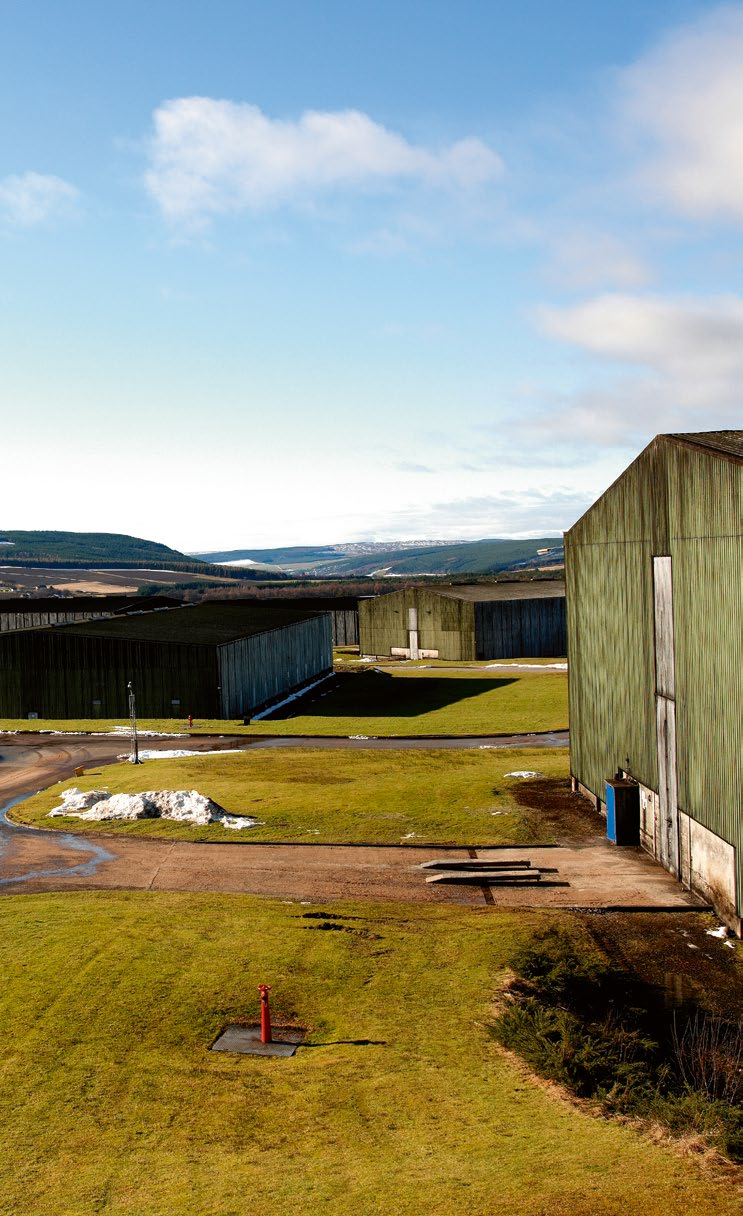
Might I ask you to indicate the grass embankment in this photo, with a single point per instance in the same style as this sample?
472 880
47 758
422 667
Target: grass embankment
457 797
400 1103
405 702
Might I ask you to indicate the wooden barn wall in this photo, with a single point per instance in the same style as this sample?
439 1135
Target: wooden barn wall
512 629
444 624
686 503
257 670
56 674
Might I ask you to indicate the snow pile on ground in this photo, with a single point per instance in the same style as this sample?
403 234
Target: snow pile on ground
143 734
185 806
179 753
529 666
295 696
523 772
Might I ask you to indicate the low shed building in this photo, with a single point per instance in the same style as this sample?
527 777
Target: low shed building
214 661
481 621
655 641
343 609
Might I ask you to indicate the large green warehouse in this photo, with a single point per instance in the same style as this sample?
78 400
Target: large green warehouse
654 573
480 621
214 661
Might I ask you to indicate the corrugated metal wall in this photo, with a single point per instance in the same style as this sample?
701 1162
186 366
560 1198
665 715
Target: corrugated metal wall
464 629
57 674
444 624
517 629
686 503
10 621
260 669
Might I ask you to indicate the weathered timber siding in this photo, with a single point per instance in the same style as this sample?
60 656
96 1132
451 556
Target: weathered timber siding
444 624
513 629
257 670
682 502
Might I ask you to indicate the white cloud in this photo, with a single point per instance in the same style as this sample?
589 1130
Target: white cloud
209 156
530 511
686 98
586 260
678 335
30 198
688 354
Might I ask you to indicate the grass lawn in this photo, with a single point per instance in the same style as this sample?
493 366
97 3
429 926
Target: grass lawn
400 1104
434 796
404 702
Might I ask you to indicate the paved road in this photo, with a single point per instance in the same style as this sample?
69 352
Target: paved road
592 874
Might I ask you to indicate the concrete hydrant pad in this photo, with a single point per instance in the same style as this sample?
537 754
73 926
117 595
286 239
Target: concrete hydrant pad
246 1040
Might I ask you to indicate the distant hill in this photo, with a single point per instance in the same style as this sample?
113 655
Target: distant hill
85 546
401 557
110 550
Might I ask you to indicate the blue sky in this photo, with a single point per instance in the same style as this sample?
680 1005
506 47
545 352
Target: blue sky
295 272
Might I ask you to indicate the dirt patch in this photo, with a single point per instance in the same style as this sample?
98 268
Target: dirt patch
549 808
675 954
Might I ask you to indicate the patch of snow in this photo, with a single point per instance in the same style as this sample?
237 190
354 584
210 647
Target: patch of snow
360 736
720 932
730 944
529 666
692 946
499 812
523 773
178 753
409 836
183 806
143 734
294 697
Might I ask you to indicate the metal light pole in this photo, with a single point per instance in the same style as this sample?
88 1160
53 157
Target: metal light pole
134 757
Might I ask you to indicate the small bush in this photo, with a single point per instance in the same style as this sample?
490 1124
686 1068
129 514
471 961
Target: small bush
600 1032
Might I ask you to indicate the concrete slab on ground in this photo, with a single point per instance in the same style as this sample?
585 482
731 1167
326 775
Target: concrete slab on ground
246 1041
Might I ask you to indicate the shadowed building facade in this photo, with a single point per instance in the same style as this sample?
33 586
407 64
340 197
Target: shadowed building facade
214 661
654 574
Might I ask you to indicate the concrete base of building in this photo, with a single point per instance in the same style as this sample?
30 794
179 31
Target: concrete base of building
707 863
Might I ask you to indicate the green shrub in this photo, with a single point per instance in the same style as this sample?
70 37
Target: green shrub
597 1030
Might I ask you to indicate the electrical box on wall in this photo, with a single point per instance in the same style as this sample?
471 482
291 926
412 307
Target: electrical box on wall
623 812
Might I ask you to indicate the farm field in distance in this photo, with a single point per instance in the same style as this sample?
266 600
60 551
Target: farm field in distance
386 703
400 1093
390 797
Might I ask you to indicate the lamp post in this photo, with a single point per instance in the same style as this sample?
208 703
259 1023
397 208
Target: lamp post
134 756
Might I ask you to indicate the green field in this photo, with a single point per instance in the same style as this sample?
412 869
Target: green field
443 797
400 1104
405 702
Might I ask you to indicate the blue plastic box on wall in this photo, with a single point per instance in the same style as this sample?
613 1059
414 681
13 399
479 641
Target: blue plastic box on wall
623 812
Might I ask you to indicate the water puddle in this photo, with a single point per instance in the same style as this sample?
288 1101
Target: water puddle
84 869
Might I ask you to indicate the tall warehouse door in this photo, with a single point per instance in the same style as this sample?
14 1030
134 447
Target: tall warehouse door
666 836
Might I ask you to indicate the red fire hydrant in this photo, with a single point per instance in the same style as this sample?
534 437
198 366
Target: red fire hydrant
266 1037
